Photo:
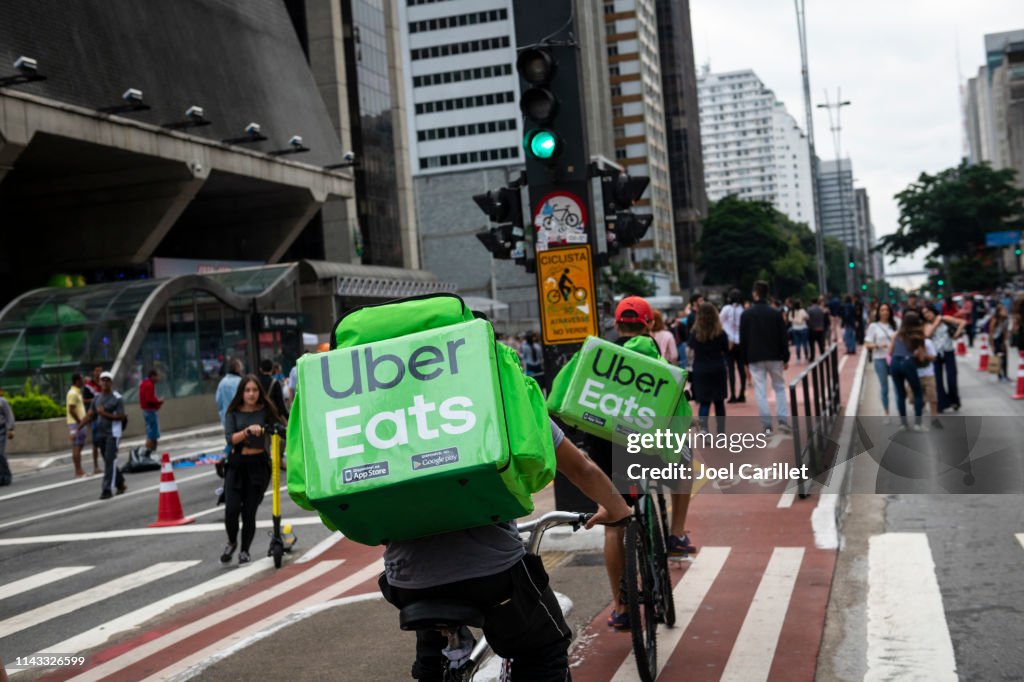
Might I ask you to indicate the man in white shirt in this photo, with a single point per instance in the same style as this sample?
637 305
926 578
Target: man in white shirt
730 317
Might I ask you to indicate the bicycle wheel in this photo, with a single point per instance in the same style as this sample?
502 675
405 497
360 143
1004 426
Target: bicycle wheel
643 618
663 583
554 296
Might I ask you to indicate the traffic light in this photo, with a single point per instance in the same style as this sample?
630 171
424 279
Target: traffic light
863 287
1016 251
539 104
942 282
506 240
852 265
620 192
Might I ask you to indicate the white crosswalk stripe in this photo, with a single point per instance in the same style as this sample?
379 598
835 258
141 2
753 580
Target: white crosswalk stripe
1020 539
39 580
90 596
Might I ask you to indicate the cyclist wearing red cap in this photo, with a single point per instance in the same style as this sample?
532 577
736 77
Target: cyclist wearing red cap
633 317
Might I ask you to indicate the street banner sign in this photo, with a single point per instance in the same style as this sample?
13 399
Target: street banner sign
565 278
1006 238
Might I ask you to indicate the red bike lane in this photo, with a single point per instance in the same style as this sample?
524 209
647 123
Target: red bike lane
751 606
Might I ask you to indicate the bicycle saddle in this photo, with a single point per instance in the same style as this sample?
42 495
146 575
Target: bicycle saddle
434 614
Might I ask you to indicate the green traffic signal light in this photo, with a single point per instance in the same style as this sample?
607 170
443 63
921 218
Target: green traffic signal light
1016 252
863 287
942 282
541 144
852 264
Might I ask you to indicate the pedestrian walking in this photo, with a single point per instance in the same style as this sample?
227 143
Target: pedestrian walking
681 333
7 424
817 326
710 346
107 412
766 352
967 315
90 390
533 356
150 404
736 371
878 339
859 318
849 322
664 339
226 390
926 375
908 352
998 333
272 387
248 470
74 405
938 329
798 319
835 308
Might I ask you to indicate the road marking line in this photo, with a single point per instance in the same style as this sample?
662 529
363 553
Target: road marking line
321 547
84 479
100 634
171 638
290 619
91 596
786 500
824 520
40 579
1020 539
688 593
754 648
843 362
323 595
907 631
143 532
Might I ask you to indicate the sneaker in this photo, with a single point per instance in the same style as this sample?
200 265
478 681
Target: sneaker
120 490
678 547
619 621
767 430
741 399
936 424
243 557
228 551
732 401
106 495
887 420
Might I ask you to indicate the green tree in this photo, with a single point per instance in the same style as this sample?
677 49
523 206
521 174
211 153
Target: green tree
621 280
950 213
740 242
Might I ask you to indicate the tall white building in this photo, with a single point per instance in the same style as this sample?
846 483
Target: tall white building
461 84
753 147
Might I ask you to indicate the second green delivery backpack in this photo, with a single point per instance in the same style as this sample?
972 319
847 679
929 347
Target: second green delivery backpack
417 422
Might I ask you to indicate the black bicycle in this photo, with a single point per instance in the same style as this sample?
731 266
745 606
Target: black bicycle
647 582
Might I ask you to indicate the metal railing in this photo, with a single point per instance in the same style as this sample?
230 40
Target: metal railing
813 421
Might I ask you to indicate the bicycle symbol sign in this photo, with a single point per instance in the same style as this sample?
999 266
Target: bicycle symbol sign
560 218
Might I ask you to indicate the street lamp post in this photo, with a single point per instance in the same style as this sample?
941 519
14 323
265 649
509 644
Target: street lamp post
836 127
819 239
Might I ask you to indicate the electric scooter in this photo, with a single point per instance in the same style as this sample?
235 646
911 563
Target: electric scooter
281 539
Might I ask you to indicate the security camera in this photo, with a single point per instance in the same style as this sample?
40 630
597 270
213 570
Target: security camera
26 64
295 141
194 112
252 129
349 157
132 95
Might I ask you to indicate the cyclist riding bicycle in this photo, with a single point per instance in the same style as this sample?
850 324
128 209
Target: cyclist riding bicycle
489 568
633 317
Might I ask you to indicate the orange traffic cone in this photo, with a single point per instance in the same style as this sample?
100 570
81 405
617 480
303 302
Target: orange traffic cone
1019 395
961 347
169 512
983 360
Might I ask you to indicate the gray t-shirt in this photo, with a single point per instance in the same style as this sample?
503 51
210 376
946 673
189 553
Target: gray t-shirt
459 555
111 402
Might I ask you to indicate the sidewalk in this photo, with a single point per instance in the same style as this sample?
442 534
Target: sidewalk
21 464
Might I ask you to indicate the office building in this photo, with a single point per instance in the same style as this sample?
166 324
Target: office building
638 117
995 104
682 126
874 261
753 148
839 205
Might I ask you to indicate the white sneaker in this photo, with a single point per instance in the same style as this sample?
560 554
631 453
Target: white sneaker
887 420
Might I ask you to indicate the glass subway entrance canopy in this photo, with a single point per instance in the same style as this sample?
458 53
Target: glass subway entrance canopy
188 327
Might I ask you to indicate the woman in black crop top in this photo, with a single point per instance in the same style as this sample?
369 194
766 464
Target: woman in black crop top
248 471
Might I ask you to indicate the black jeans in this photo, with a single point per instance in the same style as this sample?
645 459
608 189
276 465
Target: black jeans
5 470
817 339
112 476
946 387
522 622
735 362
245 483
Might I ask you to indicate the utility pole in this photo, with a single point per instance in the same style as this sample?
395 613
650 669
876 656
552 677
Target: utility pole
819 238
836 127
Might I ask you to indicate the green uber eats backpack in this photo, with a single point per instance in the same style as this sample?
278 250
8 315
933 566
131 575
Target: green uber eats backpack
612 391
417 422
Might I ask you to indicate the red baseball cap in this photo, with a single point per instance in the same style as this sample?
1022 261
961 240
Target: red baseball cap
633 309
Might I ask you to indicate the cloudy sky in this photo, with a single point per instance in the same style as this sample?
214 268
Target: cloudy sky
895 60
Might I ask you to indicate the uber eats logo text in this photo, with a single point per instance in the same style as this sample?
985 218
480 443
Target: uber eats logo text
350 429
623 379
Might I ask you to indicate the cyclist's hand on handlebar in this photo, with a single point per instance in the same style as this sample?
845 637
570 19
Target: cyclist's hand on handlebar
604 517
